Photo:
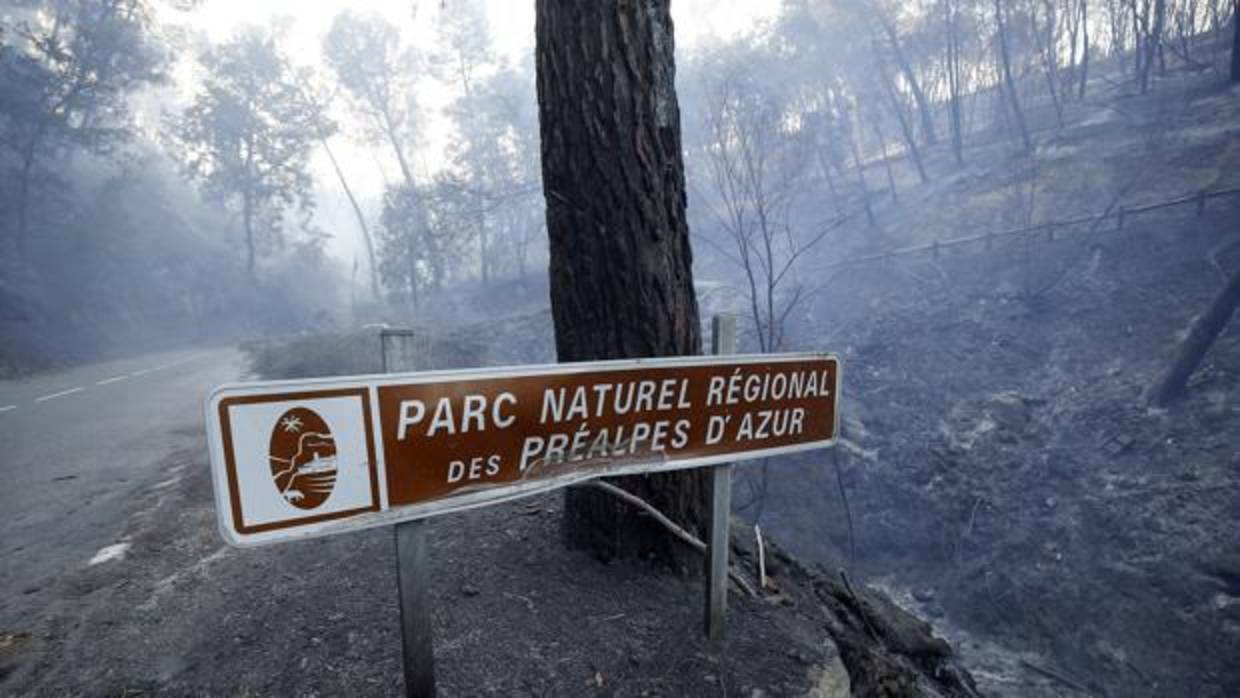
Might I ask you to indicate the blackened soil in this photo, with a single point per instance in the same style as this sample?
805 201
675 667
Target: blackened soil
515 613
1005 473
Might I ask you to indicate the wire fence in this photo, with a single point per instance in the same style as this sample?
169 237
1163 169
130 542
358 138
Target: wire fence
1121 214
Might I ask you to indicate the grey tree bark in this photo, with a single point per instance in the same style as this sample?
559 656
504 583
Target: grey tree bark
621 265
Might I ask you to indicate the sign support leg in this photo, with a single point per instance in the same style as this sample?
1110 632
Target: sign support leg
413 580
723 341
412 558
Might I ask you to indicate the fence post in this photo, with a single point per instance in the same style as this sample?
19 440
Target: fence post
412 557
723 341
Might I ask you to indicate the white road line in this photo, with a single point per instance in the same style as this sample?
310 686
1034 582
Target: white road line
113 379
143 372
70 391
6 408
169 365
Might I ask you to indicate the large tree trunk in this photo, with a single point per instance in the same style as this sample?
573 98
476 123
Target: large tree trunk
621 267
1205 329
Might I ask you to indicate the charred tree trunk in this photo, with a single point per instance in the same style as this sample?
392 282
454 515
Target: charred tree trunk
1235 41
860 167
1205 329
1005 61
1084 48
1160 35
247 209
1153 43
953 81
1047 46
361 218
826 174
882 144
389 128
484 242
919 97
22 234
621 266
247 217
906 128
412 258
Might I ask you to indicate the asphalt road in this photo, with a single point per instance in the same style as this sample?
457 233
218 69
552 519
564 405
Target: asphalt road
75 446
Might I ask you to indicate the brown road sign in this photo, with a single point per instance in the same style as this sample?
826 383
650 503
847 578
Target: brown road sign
302 458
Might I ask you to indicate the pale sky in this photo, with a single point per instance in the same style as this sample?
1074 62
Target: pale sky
512 30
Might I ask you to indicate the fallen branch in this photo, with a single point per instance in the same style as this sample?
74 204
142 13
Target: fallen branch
839 483
686 537
861 609
757 534
1201 335
1213 258
1056 676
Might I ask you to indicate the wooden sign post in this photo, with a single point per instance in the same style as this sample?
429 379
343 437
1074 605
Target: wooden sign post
413 575
723 341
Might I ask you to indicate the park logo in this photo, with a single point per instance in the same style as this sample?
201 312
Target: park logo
303 458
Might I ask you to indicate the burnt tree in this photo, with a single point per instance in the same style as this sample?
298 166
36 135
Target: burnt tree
1235 41
621 267
1005 63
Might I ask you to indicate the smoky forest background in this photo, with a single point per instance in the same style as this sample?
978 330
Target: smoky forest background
1014 220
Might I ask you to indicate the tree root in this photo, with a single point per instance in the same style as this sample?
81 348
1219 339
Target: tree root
686 537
